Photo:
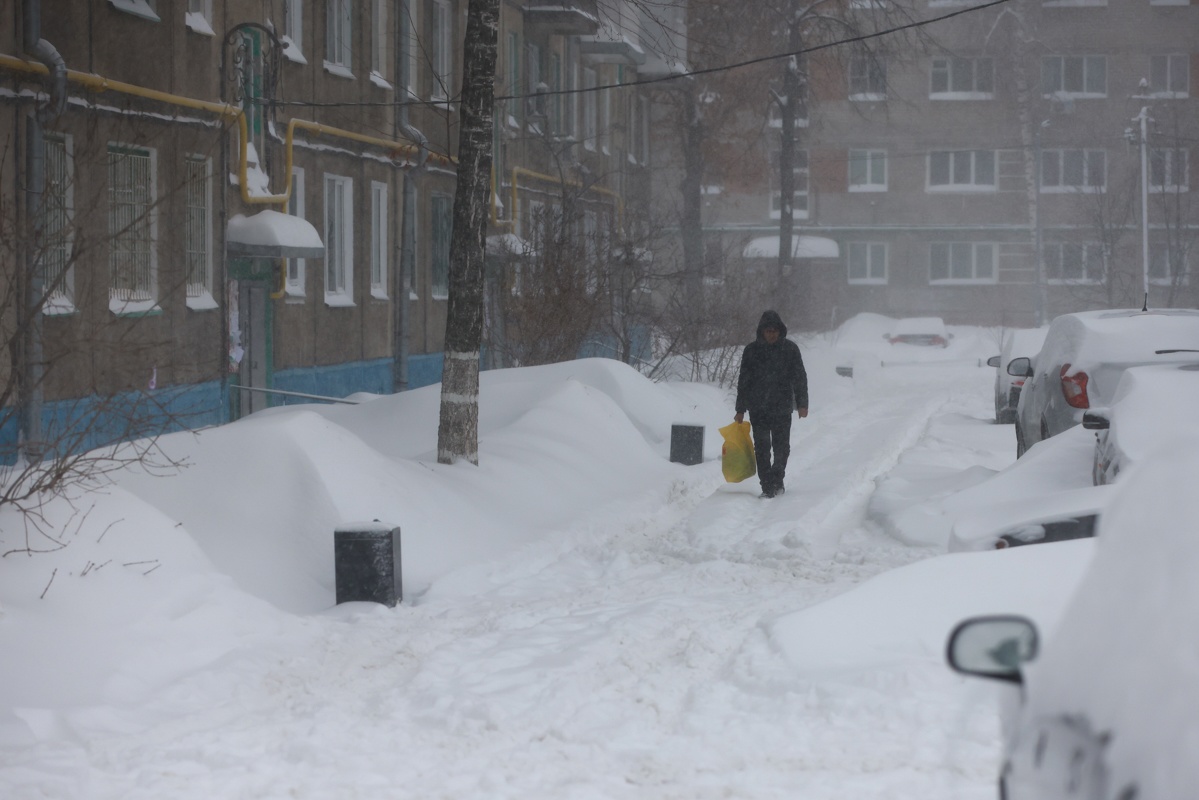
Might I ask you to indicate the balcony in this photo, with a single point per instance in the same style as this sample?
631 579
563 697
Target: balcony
610 48
567 18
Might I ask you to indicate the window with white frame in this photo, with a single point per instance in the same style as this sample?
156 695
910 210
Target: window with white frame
293 30
132 229
774 114
1168 169
410 44
513 83
58 277
294 286
379 252
535 99
867 170
339 37
1170 75
961 170
867 262
589 115
1073 262
441 210
443 50
1072 170
339 240
199 16
572 99
197 231
1078 76
603 125
380 52
133 276
867 78
961 262
1168 265
799 197
962 78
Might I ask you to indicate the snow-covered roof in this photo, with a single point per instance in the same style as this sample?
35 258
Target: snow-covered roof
272 234
801 247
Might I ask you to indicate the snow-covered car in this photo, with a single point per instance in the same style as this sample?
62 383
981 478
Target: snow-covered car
1084 356
1052 517
1150 408
920 331
872 341
1017 343
1107 702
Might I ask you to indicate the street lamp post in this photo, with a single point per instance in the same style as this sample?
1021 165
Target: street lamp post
1143 118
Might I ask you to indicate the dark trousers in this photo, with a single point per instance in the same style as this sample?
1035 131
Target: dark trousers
771 433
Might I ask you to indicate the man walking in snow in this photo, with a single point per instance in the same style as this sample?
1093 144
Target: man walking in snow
772 382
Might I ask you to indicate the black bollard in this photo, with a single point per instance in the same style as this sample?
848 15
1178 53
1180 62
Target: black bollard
687 444
366 560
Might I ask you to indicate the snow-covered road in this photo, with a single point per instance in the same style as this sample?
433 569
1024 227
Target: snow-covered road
634 652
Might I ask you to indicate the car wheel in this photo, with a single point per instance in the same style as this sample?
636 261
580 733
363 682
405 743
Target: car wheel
1020 450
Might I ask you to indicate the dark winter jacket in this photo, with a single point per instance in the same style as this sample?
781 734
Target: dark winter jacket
773 381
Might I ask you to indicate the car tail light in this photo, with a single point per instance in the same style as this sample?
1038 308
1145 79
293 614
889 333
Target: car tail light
1074 388
939 341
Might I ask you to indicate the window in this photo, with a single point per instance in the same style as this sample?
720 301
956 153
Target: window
799 201
1068 262
1168 169
379 253
961 170
774 114
57 211
133 283
199 16
603 117
867 170
572 117
295 206
338 38
964 78
293 30
867 262
514 53
1068 170
1170 76
252 76
1167 265
410 45
379 49
555 98
442 211
589 116
197 232
339 241
1084 76
443 50
961 262
867 78
533 88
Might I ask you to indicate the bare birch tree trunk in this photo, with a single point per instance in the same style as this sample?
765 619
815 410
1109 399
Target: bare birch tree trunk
458 430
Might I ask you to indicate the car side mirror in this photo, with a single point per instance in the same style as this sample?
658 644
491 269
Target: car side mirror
993 361
1097 419
993 647
1020 367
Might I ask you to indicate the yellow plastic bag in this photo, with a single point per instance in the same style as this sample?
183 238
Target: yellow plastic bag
737 454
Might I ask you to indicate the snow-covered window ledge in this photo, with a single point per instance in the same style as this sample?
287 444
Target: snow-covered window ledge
138 8
380 81
202 302
378 294
58 306
339 301
339 70
292 51
867 97
133 308
961 96
196 23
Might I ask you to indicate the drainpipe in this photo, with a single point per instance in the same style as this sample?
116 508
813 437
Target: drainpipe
407 266
29 312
